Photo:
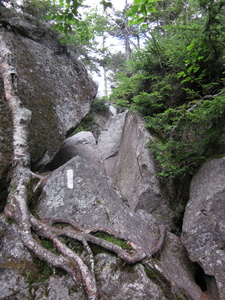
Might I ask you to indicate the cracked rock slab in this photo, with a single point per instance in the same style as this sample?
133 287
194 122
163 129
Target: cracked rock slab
204 222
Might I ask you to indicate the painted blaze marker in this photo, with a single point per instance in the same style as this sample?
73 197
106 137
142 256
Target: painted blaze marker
69 179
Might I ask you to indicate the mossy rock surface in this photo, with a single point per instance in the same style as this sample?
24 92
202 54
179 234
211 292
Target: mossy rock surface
52 83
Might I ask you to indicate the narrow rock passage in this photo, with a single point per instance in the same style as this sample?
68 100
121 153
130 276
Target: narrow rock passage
32 228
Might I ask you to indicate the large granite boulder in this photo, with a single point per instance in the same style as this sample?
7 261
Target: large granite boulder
176 266
52 83
80 192
109 142
204 224
83 144
135 172
129 161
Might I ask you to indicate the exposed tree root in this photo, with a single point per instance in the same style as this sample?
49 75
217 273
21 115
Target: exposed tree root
30 227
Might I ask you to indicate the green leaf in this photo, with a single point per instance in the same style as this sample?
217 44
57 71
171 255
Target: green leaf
152 9
181 74
131 23
70 16
141 20
134 9
136 2
190 47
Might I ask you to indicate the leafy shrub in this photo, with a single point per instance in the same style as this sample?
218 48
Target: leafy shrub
99 105
148 104
187 135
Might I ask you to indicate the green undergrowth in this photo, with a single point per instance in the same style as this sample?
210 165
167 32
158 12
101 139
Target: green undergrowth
85 124
188 135
98 106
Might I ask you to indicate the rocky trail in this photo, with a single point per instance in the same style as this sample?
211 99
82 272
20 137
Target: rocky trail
85 216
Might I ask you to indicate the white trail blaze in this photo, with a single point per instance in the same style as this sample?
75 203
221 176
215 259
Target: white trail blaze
69 178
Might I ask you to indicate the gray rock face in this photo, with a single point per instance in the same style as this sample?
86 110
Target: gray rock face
135 172
128 282
129 161
122 149
176 266
52 83
13 258
99 121
109 142
122 154
204 223
80 192
83 144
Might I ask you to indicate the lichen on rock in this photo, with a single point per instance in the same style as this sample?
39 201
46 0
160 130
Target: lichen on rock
54 85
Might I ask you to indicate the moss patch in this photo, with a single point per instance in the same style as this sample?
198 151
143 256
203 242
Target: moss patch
40 273
47 244
121 243
98 250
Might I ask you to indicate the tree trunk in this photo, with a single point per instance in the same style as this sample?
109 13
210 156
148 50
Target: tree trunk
126 34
